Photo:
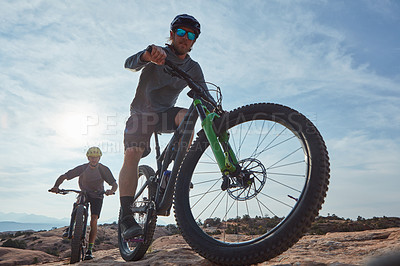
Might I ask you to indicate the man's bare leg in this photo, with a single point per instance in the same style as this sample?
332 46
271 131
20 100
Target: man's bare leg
128 178
178 119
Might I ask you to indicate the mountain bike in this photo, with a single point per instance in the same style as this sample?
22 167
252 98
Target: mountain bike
78 224
245 191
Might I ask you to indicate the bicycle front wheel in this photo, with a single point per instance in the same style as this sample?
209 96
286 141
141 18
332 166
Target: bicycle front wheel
145 217
78 234
258 213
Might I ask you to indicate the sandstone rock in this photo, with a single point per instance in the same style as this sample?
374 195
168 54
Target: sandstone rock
371 248
14 256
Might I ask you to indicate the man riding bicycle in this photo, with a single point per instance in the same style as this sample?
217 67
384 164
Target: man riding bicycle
91 179
153 107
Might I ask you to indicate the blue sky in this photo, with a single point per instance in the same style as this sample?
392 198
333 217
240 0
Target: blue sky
63 87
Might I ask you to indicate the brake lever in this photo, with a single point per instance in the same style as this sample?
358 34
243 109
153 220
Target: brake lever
218 110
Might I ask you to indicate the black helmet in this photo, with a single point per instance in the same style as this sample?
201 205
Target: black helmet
186 20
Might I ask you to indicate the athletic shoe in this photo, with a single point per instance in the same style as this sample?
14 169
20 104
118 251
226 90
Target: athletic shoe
130 228
65 234
88 255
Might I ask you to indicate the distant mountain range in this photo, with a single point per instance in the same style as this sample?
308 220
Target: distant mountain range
6 226
23 221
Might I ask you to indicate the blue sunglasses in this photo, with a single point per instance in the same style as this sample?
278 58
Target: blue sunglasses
191 36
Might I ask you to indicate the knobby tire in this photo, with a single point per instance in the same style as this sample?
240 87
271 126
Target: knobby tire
78 235
292 198
133 251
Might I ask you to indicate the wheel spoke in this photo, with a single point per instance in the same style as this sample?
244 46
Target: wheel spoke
265 194
259 192
273 172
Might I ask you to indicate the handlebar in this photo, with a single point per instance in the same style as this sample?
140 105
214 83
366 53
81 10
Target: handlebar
176 71
66 191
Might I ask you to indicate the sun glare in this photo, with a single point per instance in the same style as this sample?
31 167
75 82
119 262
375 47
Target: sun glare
72 125
77 127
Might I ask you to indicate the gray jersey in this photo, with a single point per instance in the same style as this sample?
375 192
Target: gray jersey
92 180
157 91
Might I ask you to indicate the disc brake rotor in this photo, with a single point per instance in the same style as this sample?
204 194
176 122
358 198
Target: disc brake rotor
249 182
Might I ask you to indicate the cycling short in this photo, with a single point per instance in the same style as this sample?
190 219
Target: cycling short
140 127
95 205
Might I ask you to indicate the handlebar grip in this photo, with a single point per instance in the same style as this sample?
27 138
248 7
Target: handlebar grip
186 77
167 62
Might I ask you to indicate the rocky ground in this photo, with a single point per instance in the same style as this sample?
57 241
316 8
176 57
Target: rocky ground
333 249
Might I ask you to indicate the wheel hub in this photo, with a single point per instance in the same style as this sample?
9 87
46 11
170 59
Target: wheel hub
249 182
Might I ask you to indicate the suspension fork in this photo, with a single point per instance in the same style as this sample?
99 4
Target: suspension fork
85 222
220 146
72 221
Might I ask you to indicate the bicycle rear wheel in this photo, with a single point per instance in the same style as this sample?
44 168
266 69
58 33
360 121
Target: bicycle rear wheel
265 208
146 217
78 235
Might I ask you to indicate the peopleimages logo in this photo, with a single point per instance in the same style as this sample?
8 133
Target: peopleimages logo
104 124
106 146
107 130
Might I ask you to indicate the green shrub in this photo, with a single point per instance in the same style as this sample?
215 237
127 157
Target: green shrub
216 232
173 229
52 251
21 244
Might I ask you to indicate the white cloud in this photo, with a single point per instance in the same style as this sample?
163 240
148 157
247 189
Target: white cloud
386 8
64 88
364 178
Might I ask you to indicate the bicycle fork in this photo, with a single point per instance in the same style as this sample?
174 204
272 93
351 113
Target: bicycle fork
72 221
220 146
